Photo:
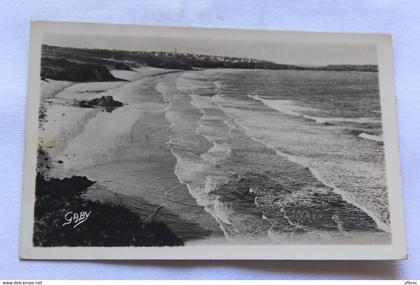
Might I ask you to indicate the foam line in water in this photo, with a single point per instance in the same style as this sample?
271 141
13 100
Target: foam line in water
380 224
288 107
186 170
371 137
323 120
283 106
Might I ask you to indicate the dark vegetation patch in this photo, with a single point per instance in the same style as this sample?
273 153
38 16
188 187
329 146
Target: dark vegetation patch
63 69
351 67
107 225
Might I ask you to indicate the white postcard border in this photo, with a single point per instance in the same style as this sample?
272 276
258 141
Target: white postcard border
395 250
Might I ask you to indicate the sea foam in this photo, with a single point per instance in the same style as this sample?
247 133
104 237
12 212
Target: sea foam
289 107
371 137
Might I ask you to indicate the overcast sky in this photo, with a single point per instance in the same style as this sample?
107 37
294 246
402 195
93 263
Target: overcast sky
303 53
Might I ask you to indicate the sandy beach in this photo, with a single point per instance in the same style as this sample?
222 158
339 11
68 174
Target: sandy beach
124 151
209 160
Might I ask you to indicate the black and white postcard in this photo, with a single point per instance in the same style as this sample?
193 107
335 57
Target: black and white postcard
150 142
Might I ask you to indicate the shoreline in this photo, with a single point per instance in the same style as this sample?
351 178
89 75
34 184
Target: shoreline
143 146
368 223
143 159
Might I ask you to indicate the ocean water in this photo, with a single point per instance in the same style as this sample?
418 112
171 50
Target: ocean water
277 155
232 156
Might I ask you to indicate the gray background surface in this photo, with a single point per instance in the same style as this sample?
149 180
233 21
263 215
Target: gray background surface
401 18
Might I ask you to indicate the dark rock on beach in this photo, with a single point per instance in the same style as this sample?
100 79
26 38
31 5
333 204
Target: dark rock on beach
104 101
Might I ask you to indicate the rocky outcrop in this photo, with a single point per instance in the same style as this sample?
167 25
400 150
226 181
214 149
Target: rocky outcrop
122 66
104 101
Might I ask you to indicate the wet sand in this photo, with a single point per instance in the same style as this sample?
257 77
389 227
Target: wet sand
175 153
125 152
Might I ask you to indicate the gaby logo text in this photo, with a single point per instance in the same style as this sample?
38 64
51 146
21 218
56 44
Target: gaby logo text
76 218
